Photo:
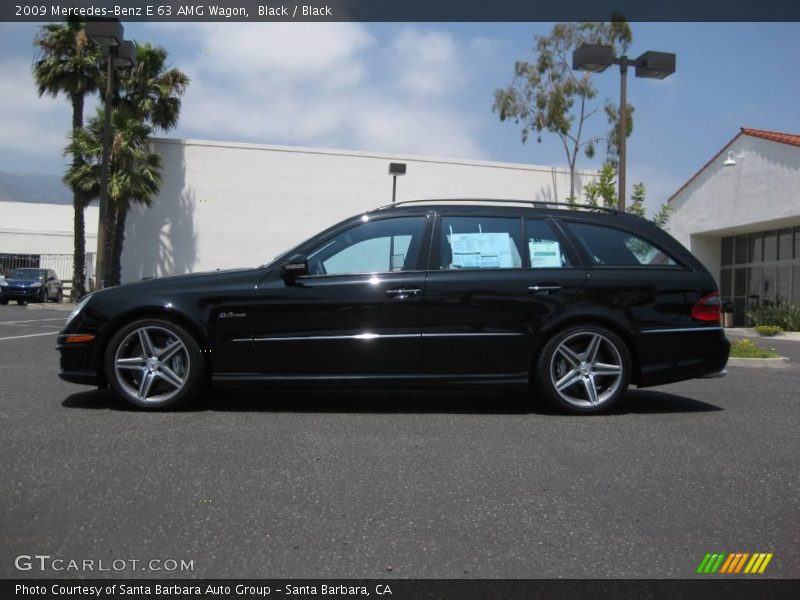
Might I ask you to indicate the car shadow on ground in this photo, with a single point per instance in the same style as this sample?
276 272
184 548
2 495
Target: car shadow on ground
394 401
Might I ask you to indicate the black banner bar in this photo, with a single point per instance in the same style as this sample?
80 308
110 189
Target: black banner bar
403 10
404 589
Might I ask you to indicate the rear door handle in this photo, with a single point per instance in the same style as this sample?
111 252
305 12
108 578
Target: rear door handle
542 289
403 293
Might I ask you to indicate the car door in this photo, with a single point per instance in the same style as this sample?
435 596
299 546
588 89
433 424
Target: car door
485 301
357 314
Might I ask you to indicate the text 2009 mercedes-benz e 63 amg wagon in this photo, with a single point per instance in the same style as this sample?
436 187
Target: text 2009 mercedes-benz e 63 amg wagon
576 304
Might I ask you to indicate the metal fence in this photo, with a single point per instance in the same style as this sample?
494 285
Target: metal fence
60 263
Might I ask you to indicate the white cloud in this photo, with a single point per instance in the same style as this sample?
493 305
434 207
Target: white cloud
29 123
328 84
425 62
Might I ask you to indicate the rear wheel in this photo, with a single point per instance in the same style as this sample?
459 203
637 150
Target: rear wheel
154 364
22 302
583 369
3 301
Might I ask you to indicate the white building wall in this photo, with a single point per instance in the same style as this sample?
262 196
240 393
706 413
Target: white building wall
31 228
761 191
224 205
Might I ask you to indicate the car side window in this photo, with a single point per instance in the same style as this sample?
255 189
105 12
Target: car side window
544 247
379 246
609 246
480 243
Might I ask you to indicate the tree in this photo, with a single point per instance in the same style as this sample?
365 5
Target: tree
603 193
67 63
547 95
134 171
604 189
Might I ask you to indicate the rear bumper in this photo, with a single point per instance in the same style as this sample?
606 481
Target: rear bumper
717 375
670 355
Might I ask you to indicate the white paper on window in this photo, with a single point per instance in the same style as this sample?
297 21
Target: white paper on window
544 253
484 251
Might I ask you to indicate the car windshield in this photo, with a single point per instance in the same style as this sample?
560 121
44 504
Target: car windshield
27 274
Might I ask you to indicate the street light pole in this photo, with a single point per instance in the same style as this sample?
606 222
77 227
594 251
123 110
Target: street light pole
107 33
105 168
596 58
623 128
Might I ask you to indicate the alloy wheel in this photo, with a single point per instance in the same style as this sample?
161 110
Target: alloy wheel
152 364
586 369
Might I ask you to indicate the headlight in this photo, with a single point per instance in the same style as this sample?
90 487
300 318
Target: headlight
3 283
37 284
77 309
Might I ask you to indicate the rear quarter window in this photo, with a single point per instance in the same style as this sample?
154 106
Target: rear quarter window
612 247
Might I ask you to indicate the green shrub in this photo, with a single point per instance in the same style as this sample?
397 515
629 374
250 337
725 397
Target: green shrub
745 348
779 314
767 330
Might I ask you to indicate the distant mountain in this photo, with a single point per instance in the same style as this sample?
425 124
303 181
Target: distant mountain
34 187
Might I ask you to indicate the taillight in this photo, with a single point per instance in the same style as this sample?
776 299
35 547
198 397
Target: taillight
707 308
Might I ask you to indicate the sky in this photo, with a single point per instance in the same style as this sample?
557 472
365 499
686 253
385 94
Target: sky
427 88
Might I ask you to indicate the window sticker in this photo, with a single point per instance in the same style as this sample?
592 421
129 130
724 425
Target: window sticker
483 251
544 253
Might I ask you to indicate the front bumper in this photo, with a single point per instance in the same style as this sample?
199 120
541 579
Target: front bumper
20 293
78 362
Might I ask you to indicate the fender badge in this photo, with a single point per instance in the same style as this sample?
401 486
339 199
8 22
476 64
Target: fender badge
232 315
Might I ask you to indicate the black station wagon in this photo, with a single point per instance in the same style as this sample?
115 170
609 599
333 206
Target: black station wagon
577 304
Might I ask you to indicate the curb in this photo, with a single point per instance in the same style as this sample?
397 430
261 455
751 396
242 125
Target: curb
760 363
63 306
789 336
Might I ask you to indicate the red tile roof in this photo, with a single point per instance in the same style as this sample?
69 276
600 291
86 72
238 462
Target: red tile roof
773 136
792 139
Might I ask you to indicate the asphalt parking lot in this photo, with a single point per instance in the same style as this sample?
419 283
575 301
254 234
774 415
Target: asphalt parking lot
391 484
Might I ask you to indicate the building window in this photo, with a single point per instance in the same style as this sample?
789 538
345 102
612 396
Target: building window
758 268
727 251
741 249
785 244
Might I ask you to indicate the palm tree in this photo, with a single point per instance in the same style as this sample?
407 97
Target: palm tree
134 171
151 92
67 63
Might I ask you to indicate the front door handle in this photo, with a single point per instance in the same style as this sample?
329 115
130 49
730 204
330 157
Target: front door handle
403 293
542 289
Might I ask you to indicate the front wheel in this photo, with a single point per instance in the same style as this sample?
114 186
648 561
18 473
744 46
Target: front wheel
583 369
22 302
154 364
3 301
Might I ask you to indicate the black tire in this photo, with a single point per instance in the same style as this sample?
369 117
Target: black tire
565 359
161 392
22 302
43 297
60 295
3 301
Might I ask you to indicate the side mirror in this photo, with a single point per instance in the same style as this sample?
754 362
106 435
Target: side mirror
295 267
51 279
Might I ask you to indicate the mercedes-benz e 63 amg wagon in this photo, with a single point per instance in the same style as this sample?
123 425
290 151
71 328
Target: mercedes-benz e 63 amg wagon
576 304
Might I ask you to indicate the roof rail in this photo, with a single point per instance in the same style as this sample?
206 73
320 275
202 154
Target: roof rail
533 203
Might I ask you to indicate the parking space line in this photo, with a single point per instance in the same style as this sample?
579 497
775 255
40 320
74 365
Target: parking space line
32 321
19 337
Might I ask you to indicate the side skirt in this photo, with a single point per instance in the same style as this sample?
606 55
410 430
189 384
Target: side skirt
255 380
